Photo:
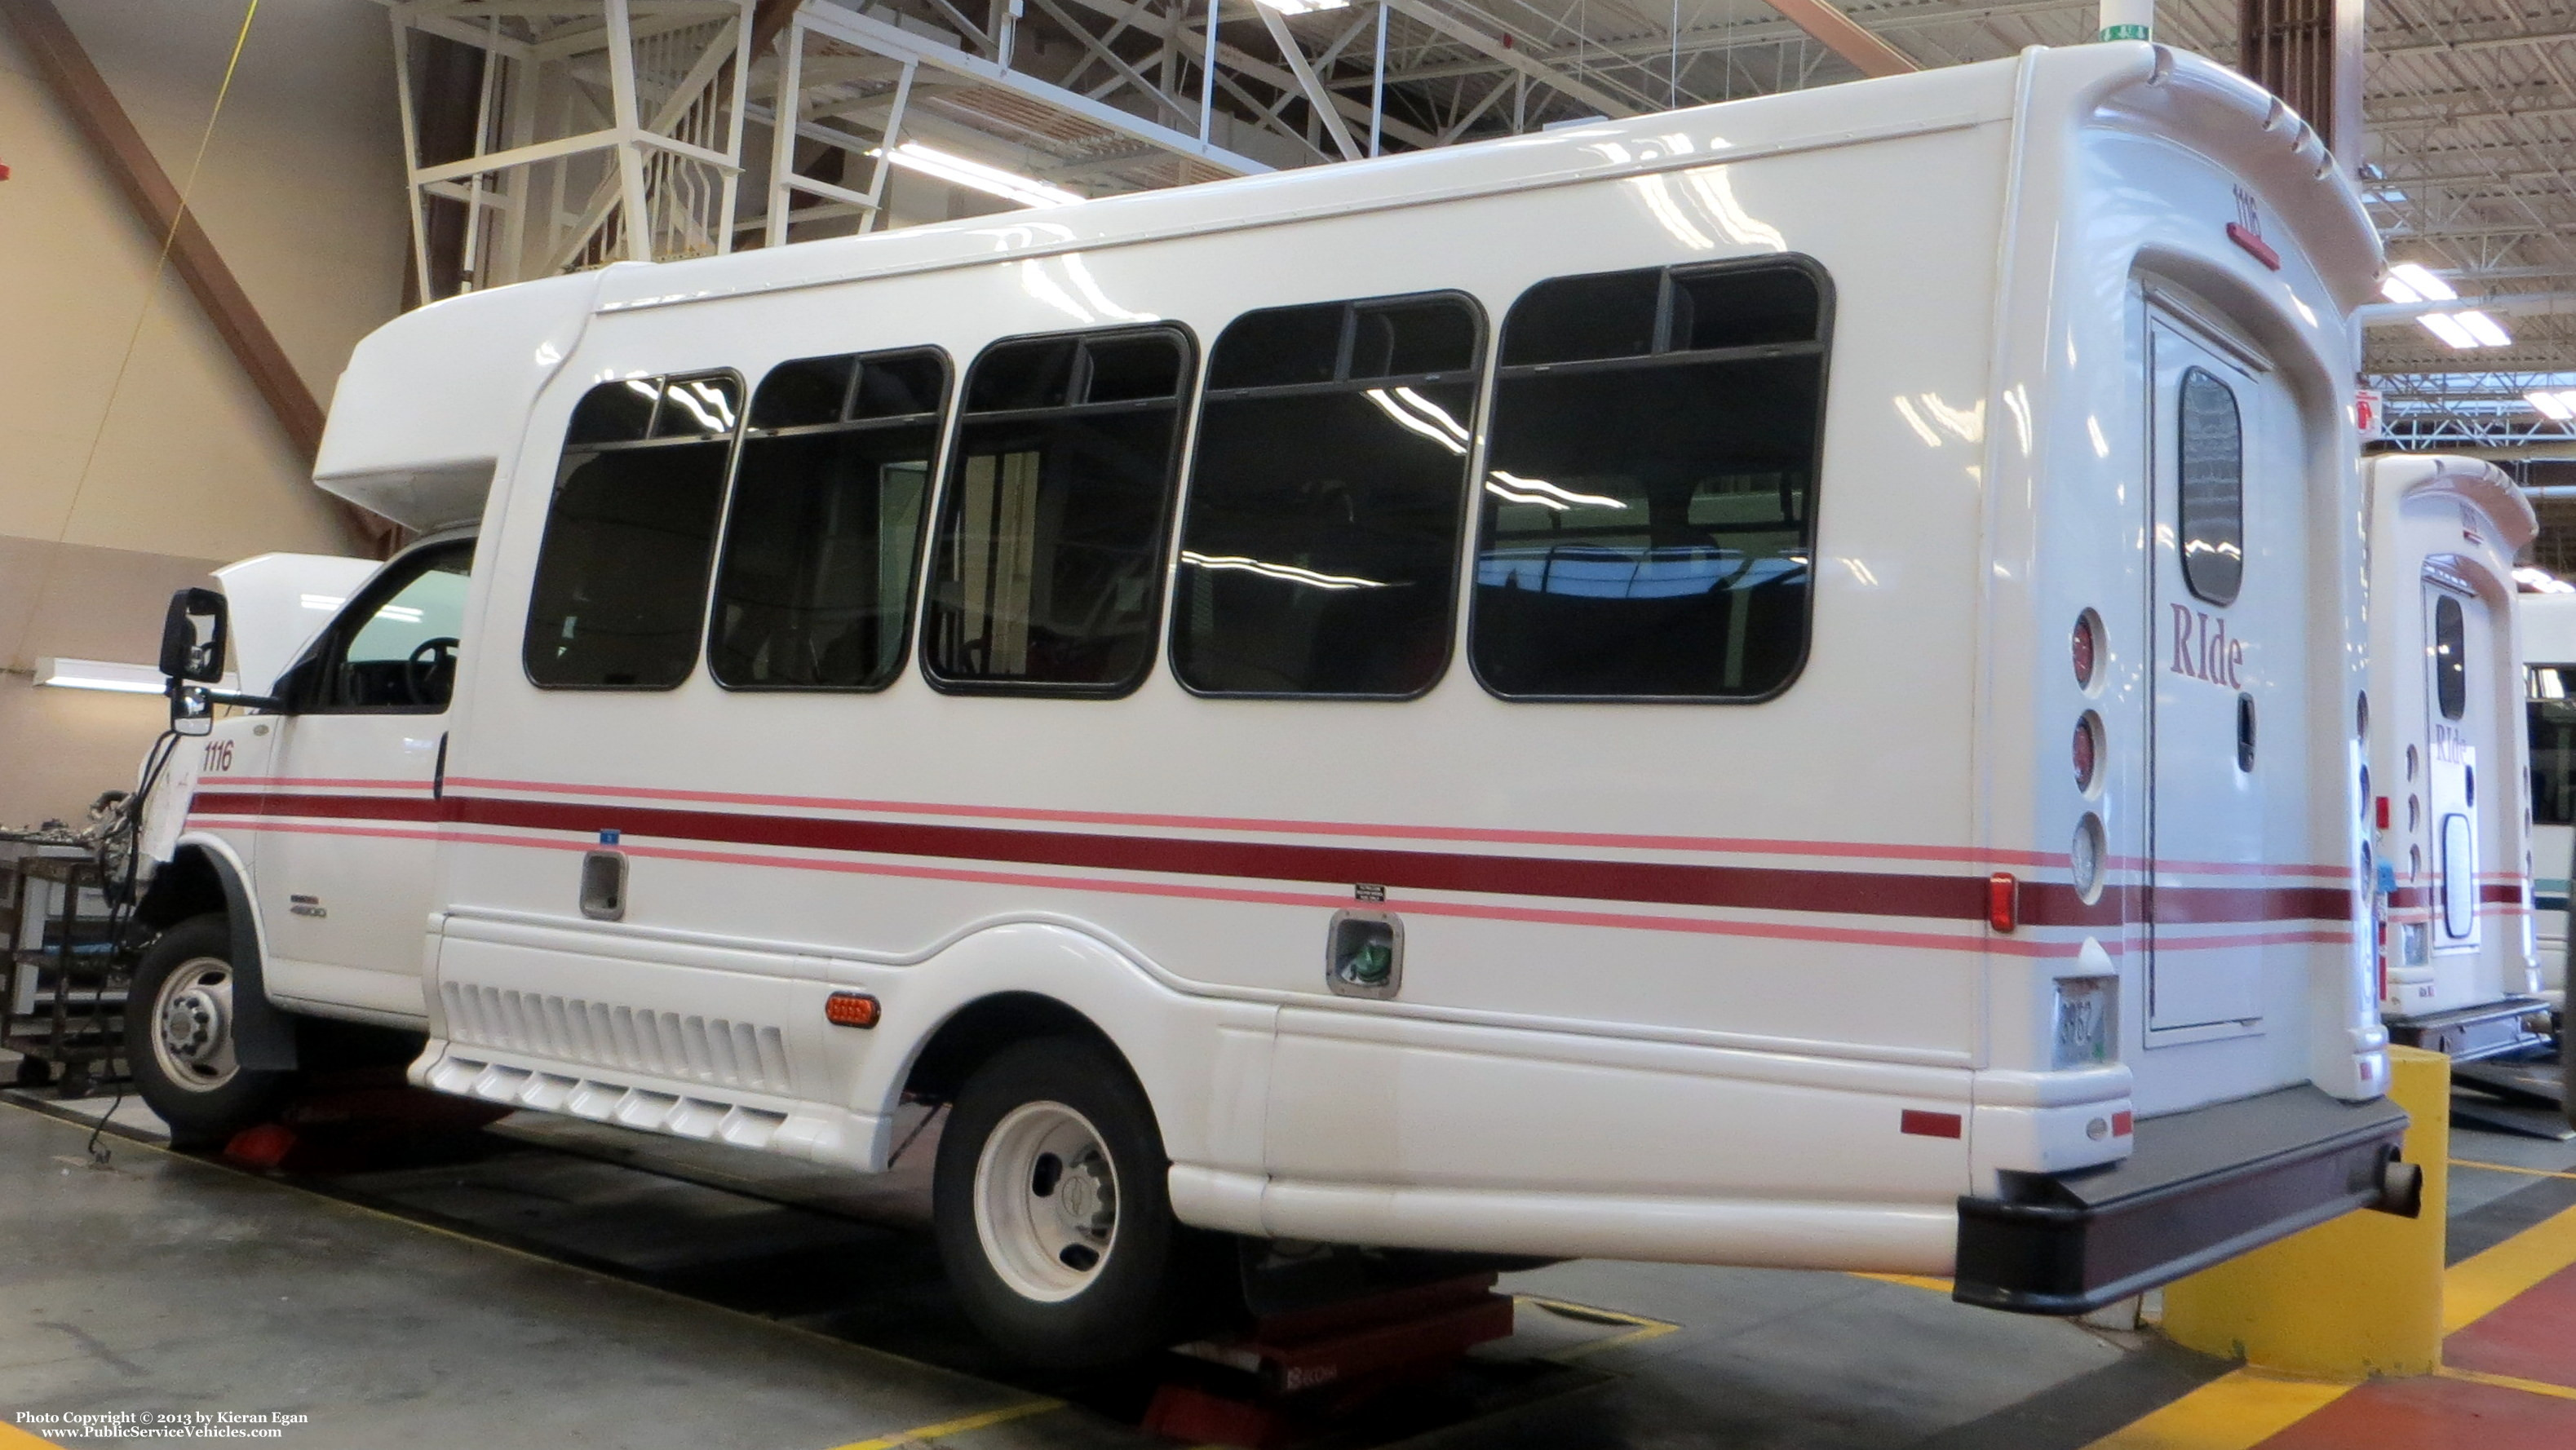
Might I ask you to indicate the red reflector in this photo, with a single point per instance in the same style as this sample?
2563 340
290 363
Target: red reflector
2260 249
1929 1125
2383 813
850 1009
2122 1124
2003 901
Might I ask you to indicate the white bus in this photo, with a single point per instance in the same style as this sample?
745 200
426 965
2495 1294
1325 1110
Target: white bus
2456 967
2549 657
1776 684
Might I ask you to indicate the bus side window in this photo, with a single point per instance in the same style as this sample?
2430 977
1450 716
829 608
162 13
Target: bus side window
1647 513
1045 572
2550 714
622 573
821 539
1319 549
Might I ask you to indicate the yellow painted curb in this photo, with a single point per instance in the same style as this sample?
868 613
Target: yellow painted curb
2236 1411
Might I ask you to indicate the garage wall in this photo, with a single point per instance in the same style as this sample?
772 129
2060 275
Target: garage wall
115 492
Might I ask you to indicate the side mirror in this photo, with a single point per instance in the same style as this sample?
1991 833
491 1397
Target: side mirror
193 637
192 709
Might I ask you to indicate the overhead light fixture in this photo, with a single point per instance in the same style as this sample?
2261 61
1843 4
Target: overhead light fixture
63 674
1305 7
2487 331
2540 581
2558 406
2409 282
976 176
2448 328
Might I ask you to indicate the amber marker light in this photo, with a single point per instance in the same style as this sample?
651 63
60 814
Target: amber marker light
851 1009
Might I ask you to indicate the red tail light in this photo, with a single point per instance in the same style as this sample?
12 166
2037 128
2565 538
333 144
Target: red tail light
2003 901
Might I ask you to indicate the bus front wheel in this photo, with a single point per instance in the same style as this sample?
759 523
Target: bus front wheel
179 1037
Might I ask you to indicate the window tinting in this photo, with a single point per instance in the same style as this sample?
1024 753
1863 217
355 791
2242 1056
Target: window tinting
1319 552
2550 716
2212 473
1046 566
394 648
815 587
622 573
1647 512
2450 657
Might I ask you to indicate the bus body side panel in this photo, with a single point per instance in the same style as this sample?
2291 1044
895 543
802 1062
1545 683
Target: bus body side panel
1789 1045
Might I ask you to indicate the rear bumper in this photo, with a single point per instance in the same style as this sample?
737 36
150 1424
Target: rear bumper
2467 1034
2201 1186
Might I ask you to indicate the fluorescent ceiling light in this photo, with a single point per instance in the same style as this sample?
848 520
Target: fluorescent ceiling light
2409 282
106 675
976 176
2559 406
2447 327
2488 331
1305 7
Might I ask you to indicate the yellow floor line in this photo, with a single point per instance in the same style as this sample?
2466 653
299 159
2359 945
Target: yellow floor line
1617 1341
2509 1168
2478 1285
955 1427
13 1438
1912 1281
2508 1382
2236 1411
1645 1328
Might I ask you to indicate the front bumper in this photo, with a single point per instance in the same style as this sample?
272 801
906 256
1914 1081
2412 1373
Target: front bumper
2201 1186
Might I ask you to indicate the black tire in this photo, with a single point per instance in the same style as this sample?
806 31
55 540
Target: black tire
204 1103
1143 1282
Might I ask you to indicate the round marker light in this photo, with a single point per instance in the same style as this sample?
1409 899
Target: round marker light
2084 857
2087 645
2088 751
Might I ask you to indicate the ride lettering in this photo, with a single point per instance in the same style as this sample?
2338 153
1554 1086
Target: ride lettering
2202 650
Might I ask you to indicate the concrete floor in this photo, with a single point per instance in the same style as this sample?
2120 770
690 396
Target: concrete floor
549 1283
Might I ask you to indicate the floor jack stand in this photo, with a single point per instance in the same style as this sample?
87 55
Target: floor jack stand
1301 1369
356 1119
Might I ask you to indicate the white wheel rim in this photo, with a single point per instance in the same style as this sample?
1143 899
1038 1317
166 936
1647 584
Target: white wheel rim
1046 1202
192 1025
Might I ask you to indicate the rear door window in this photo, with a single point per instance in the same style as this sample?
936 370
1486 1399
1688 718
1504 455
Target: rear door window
2450 658
2211 449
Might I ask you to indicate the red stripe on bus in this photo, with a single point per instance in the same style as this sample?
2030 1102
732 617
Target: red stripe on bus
1949 898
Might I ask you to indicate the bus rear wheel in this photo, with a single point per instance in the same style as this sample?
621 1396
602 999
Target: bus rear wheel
179 1038
1050 1209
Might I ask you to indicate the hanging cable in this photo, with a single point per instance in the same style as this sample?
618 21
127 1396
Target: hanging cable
134 339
